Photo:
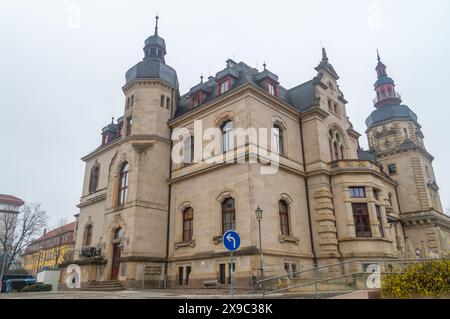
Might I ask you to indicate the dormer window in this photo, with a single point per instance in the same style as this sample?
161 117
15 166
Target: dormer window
224 86
196 100
271 88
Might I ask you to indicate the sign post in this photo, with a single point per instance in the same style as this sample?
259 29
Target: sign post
231 241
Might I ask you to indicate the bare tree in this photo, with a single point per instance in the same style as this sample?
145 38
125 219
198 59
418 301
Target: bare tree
18 230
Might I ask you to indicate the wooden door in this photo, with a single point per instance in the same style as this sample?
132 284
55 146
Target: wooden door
115 262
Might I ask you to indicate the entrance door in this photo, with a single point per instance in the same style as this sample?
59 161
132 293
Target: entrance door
115 262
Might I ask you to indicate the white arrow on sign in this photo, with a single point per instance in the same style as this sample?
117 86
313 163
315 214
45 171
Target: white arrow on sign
231 238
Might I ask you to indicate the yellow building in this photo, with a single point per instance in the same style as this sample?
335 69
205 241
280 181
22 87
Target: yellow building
49 251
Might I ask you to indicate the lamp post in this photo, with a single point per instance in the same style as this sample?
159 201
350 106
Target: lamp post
259 215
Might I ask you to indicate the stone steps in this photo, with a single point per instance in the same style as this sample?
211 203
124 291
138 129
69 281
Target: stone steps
107 285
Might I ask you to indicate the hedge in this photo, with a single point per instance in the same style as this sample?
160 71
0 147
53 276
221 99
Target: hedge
421 279
37 287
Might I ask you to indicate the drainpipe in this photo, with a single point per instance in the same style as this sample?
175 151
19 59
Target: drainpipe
166 260
307 195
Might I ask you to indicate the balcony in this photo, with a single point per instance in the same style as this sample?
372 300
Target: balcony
354 164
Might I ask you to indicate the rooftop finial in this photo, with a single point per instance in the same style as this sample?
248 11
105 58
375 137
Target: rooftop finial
264 65
378 56
156 24
112 120
201 78
324 54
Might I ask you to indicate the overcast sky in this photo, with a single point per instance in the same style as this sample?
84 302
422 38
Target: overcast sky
63 64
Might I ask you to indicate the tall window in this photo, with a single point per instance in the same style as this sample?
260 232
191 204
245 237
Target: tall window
188 224
379 219
284 217
161 103
93 181
337 147
361 219
88 235
278 139
227 136
123 186
129 123
228 215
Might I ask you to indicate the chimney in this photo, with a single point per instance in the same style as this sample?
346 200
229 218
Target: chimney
45 231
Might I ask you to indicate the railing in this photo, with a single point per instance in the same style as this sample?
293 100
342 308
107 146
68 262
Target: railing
83 253
348 275
394 95
354 163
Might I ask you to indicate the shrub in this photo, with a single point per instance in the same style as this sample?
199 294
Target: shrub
421 279
37 287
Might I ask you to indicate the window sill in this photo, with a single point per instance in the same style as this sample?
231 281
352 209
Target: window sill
217 239
190 243
288 239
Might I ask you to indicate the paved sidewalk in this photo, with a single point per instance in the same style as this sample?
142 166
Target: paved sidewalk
150 294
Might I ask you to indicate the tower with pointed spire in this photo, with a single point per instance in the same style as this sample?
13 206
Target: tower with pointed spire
396 139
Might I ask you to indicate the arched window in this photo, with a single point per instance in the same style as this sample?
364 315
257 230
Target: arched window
227 136
284 217
87 235
278 139
188 224
123 186
93 181
228 215
337 145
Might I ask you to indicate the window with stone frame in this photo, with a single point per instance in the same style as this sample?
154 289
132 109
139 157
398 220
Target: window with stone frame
361 220
283 211
94 178
278 137
123 183
188 224
357 192
227 135
228 215
88 235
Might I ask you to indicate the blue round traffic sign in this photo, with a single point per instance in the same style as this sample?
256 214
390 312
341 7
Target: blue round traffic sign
231 240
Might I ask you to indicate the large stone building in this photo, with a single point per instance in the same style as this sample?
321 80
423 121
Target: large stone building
329 200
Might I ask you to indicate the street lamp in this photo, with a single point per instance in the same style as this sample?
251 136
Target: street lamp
259 215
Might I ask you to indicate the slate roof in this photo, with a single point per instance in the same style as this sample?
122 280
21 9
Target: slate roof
152 69
388 112
366 155
299 97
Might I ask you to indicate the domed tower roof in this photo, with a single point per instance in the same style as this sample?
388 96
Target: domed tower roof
153 66
388 101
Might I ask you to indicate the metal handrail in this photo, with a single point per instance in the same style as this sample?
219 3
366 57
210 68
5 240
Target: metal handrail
316 280
347 262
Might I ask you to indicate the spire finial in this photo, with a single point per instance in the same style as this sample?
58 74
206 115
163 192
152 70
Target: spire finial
264 65
156 24
378 56
112 120
201 78
324 54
